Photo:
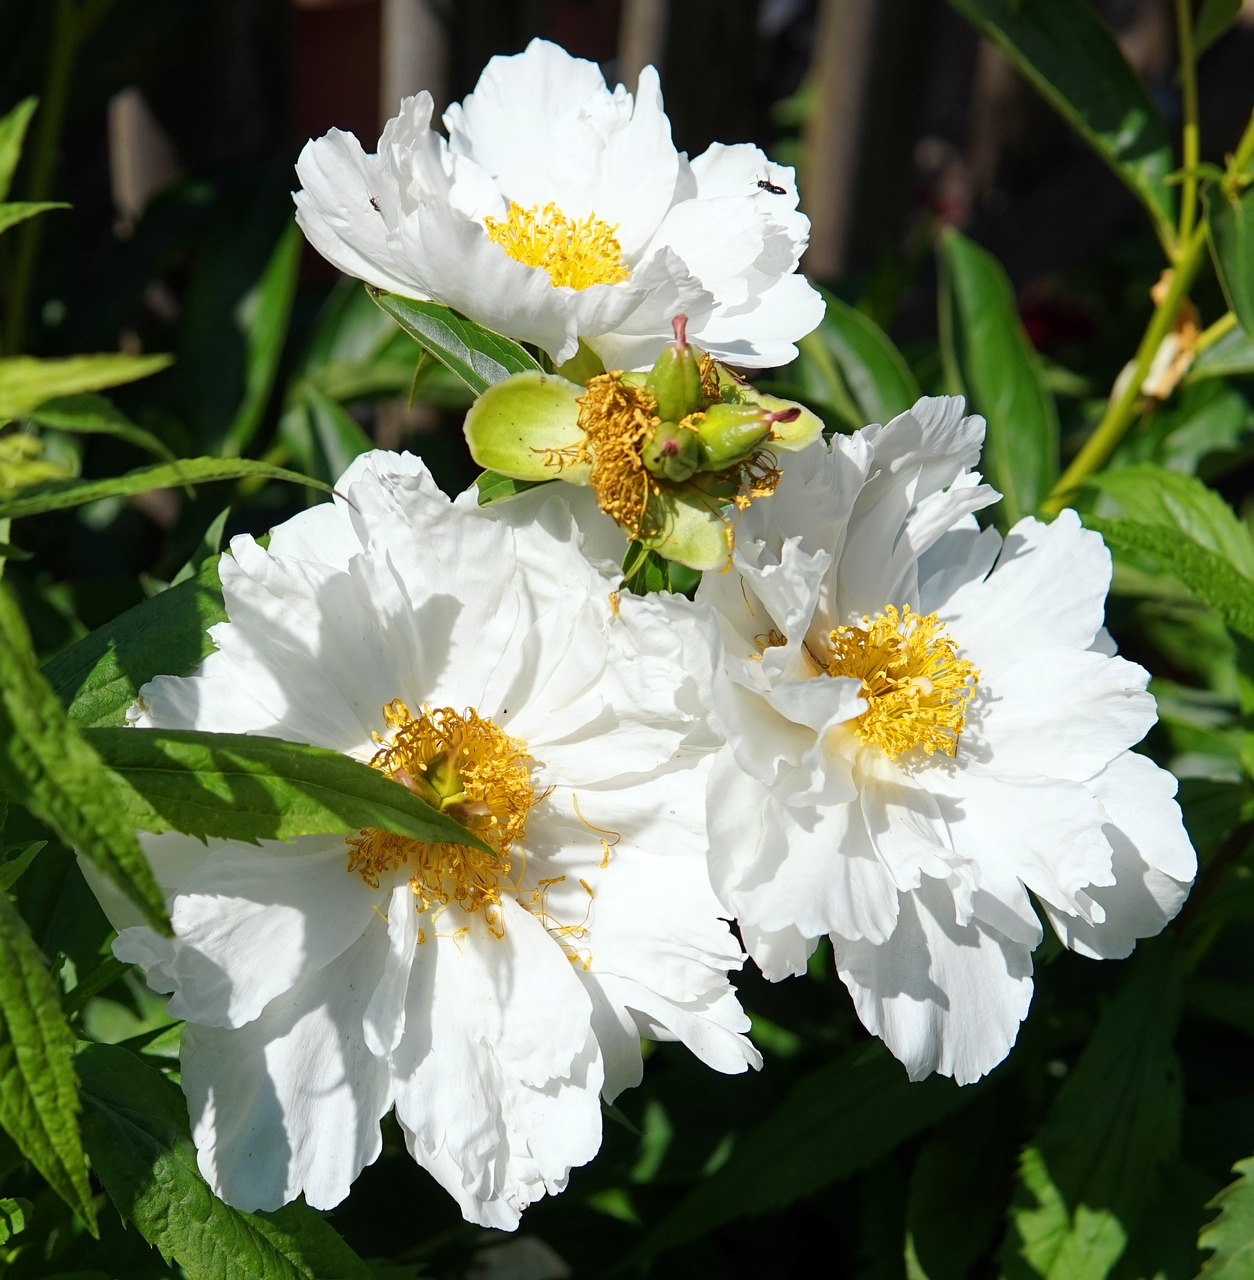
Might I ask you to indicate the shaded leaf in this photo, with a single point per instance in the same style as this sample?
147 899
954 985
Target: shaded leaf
493 487
25 383
1213 19
57 777
1229 356
1000 375
100 676
1230 223
136 1131
38 1092
12 132
321 433
1086 1178
839 1119
12 867
479 357
1065 51
13 1215
1231 1234
57 495
12 214
95 415
247 787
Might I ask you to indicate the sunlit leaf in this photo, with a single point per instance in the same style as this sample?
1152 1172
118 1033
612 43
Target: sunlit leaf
476 355
38 1092
19 211
12 132
136 1131
1065 51
13 1217
53 773
1231 1234
25 383
493 487
1000 375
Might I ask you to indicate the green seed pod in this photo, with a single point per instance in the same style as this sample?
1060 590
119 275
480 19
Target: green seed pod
675 378
672 453
729 433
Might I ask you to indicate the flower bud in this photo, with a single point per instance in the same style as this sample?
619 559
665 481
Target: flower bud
675 378
729 433
672 453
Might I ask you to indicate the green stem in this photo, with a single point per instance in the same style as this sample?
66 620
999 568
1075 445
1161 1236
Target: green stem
1212 333
62 48
1122 409
1189 137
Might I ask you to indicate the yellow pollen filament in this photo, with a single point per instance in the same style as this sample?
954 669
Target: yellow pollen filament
575 254
916 686
617 420
468 768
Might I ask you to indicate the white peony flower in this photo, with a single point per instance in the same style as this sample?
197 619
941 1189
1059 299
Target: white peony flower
922 723
557 210
482 660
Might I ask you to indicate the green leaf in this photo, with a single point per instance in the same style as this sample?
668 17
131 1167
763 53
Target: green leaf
1230 223
12 214
136 1131
101 675
46 765
479 357
1087 1176
25 383
644 571
1231 1234
1208 576
839 1119
849 363
263 316
1213 19
1227 357
247 787
57 495
12 867
1000 374
38 1092
321 433
493 487
13 1216
95 415
1065 51
12 132
1154 495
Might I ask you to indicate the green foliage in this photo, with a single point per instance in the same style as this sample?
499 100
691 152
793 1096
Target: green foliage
1214 17
1231 223
1086 1178
12 214
94 415
12 131
479 357
1071 58
994 365
136 1132
27 383
38 1092
47 767
246 787
1231 1234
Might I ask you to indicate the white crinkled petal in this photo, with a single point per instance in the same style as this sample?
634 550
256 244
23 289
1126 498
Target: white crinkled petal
942 997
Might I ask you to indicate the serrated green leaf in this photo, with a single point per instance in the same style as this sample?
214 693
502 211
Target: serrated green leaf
19 211
1231 1234
12 867
263 317
492 487
1231 356
13 1216
56 776
849 363
1063 49
12 132
246 787
136 1131
479 357
38 1092
1153 495
25 383
95 415
1000 375
58 495
1213 19
101 675
1208 576
1087 1176
1230 220
837 1120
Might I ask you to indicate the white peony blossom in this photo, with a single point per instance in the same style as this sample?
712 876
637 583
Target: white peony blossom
491 1001
924 722
557 210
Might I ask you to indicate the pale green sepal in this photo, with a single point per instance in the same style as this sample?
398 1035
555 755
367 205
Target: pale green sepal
517 424
801 431
692 527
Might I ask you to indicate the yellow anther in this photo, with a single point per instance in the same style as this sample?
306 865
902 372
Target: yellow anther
575 254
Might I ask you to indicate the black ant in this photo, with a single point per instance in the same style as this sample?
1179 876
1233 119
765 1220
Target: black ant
374 204
765 184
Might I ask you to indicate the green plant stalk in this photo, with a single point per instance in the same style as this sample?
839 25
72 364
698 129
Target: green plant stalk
1189 132
1244 153
1120 411
62 49
1212 333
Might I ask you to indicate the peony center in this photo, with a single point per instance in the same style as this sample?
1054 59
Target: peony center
575 254
915 685
466 767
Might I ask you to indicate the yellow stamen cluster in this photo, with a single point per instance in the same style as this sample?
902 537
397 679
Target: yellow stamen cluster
617 420
575 254
916 686
481 776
